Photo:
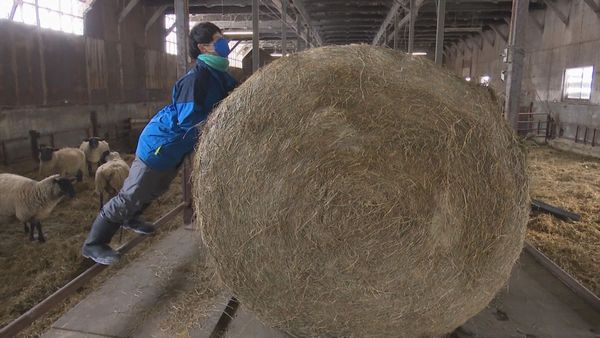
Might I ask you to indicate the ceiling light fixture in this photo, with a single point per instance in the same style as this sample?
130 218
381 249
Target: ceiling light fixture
238 33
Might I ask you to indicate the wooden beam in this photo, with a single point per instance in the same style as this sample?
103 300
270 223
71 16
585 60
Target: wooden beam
182 23
463 29
594 6
295 26
499 32
13 10
157 14
402 4
470 46
299 4
554 7
538 23
168 31
487 38
235 46
386 22
406 18
130 5
478 41
298 34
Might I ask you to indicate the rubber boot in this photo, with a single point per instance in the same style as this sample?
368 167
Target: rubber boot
139 227
96 245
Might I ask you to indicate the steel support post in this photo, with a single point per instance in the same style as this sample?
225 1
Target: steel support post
516 55
255 37
284 4
411 27
439 36
298 34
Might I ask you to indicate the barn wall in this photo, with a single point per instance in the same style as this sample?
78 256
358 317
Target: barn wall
52 80
549 51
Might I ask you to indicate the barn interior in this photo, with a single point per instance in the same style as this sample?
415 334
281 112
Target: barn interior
75 69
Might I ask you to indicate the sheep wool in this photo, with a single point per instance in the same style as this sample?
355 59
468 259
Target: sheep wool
28 199
66 162
111 175
93 155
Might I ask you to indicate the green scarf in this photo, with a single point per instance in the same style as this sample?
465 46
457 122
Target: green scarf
215 62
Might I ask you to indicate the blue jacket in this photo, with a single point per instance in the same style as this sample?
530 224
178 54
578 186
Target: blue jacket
172 133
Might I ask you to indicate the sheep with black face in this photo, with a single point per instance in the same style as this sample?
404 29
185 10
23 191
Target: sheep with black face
31 201
65 161
94 148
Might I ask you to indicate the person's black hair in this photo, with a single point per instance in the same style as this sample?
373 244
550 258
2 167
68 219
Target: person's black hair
201 33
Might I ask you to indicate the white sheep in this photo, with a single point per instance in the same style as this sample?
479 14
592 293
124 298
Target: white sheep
111 175
65 161
31 201
94 148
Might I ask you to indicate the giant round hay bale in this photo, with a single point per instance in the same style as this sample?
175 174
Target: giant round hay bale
360 192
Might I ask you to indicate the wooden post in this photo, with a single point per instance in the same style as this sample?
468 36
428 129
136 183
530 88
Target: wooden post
94 122
5 157
34 137
182 22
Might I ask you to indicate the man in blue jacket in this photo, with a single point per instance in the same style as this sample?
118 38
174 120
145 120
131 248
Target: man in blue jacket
163 144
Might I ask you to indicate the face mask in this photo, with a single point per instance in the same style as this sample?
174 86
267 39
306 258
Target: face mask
222 47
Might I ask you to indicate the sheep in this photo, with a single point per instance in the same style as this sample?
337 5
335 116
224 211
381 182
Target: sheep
111 175
93 148
31 201
65 161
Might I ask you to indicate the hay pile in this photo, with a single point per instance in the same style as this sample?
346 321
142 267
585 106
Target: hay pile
359 192
571 182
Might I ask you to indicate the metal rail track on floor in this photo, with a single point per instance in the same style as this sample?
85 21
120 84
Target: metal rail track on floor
229 313
564 276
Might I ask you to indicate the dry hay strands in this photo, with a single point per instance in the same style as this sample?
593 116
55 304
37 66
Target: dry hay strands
360 192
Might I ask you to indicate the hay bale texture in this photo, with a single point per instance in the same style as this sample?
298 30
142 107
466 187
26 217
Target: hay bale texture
354 191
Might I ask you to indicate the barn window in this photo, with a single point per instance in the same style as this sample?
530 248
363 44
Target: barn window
171 38
484 80
578 83
59 15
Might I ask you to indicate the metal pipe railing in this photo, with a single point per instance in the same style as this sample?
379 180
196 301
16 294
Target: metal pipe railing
570 281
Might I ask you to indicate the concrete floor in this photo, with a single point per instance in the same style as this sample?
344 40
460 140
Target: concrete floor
535 304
